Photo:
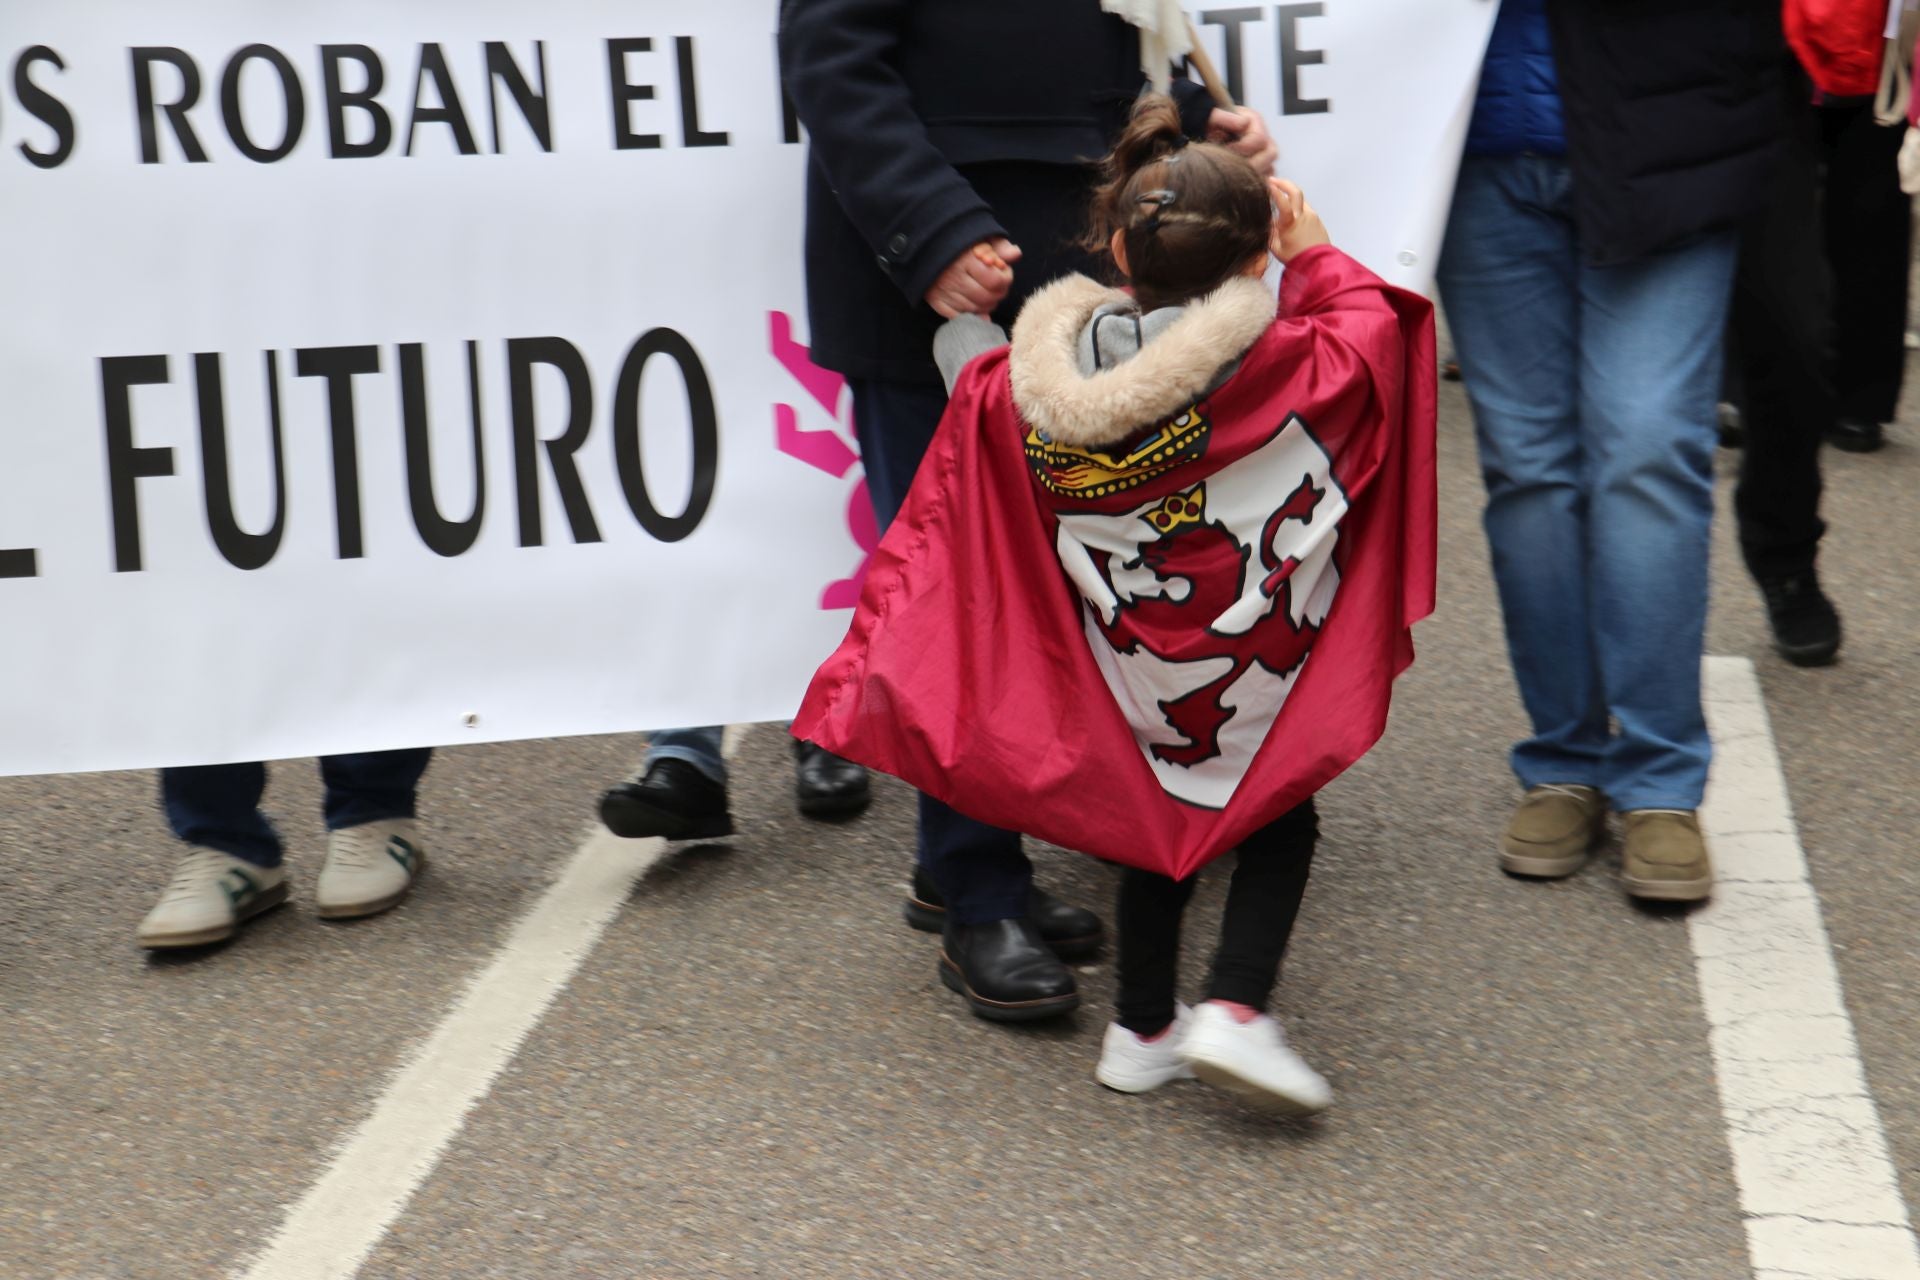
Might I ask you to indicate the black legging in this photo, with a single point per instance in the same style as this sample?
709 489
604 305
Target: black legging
1269 880
1819 317
1869 230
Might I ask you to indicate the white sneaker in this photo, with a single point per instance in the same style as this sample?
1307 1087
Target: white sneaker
1252 1060
210 894
1133 1065
369 868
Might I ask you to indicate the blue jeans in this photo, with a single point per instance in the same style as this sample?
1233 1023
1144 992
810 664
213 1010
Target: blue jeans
698 747
218 806
1593 392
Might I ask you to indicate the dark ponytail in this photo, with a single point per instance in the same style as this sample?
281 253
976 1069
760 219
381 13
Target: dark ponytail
1193 215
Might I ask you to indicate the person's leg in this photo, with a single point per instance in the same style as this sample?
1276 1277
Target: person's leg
894 423
1733 394
374 850
1231 1041
1506 275
1263 901
1147 918
1779 348
980 872
992 953
1141 1049
826 785
698 747
682 795
1780 320
1650 353
232 869
372 786
218 807
1869 243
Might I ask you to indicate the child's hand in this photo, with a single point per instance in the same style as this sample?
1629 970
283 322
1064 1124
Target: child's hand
977 281
1296 227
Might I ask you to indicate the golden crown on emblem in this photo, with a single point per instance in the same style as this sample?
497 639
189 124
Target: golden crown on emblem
1095 473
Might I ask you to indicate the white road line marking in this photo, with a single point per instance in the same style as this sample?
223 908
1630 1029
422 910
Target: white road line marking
1818 1189
376 1170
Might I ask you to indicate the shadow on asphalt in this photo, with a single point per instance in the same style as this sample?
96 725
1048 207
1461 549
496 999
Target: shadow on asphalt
1665 910
187 957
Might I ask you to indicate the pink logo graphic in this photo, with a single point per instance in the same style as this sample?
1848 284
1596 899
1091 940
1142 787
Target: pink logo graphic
825 449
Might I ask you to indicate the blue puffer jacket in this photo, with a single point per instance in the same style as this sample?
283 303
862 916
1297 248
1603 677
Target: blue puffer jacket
1518 109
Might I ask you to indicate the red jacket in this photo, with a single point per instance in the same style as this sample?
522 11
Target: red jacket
1839 42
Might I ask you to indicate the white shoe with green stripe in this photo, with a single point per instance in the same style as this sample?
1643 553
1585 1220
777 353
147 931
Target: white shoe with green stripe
210 894
369 868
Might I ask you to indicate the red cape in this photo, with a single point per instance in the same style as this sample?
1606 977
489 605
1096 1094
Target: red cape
1011 671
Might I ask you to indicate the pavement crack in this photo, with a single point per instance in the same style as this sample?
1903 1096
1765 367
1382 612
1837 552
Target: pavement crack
1817 1221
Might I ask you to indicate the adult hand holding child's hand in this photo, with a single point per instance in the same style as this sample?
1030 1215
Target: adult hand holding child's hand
977 281
1296 227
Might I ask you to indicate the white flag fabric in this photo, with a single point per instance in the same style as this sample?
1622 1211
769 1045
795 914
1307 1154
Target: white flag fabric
1165 36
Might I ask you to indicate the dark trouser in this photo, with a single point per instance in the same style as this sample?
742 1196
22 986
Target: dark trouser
1869 241
1263 900
1780 333
218 806
980 871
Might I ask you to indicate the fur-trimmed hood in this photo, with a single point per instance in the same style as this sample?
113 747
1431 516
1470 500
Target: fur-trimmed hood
1177 367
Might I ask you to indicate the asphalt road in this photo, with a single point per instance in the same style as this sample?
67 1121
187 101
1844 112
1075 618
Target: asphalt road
756 1073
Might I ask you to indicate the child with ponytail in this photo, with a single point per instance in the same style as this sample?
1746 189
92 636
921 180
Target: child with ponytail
1205 529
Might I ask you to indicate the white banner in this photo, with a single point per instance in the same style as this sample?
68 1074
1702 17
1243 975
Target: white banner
380 375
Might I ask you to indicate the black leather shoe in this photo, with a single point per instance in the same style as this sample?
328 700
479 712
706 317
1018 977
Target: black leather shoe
826 785
1073 933
1806 627
1856 436
674 801
1006 972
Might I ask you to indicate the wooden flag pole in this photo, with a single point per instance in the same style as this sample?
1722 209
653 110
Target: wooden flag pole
1209 74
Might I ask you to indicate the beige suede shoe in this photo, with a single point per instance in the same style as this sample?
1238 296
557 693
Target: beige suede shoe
1553 830
368 869
211 895
1664 856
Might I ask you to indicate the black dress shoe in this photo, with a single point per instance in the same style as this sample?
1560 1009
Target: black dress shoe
1855 435
1073 933
674 801
1806 627
1006 972
826 785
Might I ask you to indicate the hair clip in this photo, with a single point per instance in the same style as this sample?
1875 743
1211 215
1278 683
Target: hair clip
1159 199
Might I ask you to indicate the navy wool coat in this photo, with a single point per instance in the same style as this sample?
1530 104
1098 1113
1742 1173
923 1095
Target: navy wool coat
933 125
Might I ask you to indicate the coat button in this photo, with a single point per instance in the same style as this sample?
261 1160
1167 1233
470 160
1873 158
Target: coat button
898 245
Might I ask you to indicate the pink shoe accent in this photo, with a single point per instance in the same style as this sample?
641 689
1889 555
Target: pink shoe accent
1159 1035
1242 1013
